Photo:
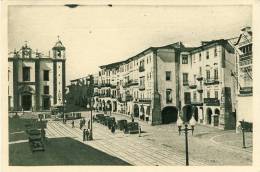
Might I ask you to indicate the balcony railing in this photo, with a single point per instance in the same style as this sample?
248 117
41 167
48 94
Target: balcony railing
185 83
211 101
192 85
197 103
246 90
199 77
131 83
141 68
209 81
144 100
200 89
141 87
129 98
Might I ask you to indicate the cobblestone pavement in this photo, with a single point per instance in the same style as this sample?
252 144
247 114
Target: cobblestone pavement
160 145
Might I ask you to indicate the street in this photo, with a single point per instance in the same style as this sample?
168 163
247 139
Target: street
161 145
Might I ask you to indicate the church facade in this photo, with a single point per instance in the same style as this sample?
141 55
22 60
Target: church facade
36 82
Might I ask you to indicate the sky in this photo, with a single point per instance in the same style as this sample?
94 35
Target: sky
98 35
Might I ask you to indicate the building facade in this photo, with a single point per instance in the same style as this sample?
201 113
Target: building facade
243 73
36 82
156 83
206 82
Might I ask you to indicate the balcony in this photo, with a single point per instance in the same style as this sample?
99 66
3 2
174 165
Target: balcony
129 98
141 87
197 103
131 83
200 90
211 101
185 83
200 77
144 100
192 85
141 68
246 91
208 81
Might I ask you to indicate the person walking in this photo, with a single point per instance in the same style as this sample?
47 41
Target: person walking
84 135
83 121
72 123
113 128
87 134
80 124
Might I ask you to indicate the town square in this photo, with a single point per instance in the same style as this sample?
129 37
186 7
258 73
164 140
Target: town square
131 86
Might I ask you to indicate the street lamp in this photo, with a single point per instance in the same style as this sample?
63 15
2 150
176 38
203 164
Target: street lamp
90 105
243 128
186 128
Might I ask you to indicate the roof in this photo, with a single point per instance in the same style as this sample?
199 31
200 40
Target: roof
209 44
178 46
58 45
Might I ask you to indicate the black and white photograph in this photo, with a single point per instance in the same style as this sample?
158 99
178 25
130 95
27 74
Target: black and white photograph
124 84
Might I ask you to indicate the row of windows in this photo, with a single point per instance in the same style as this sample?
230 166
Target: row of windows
26 74
185 76
186 61
246 49
127 67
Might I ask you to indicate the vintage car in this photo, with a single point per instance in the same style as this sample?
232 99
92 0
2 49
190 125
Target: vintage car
99 117
121 124
105 120
132 127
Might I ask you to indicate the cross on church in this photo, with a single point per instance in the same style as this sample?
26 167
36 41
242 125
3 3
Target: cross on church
58 37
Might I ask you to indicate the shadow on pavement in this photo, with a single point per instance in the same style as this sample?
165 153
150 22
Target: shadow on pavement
60 151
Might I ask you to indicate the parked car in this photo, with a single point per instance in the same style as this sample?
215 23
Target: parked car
105 121
122 124
132 127
99 117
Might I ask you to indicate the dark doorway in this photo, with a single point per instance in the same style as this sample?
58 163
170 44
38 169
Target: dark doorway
196 114
142 112
46 103
169 114
115 106
26 102
136 110
216 117
209 114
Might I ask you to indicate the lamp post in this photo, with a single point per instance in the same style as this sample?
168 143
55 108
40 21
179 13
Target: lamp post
243 132
186 129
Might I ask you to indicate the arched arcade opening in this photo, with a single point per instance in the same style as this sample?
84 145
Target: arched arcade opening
169 114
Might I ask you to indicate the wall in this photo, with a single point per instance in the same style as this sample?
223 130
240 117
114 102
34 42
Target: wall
166 62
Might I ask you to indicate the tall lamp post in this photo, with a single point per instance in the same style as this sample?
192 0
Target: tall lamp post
186 126
243 128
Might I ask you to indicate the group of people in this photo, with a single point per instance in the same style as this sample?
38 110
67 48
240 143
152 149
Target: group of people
86 134
82 123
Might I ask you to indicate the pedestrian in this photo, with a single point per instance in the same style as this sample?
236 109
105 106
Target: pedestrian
133 120
84 134
139 131
84 121
113 128
72 123
80 124
87 134
43 134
